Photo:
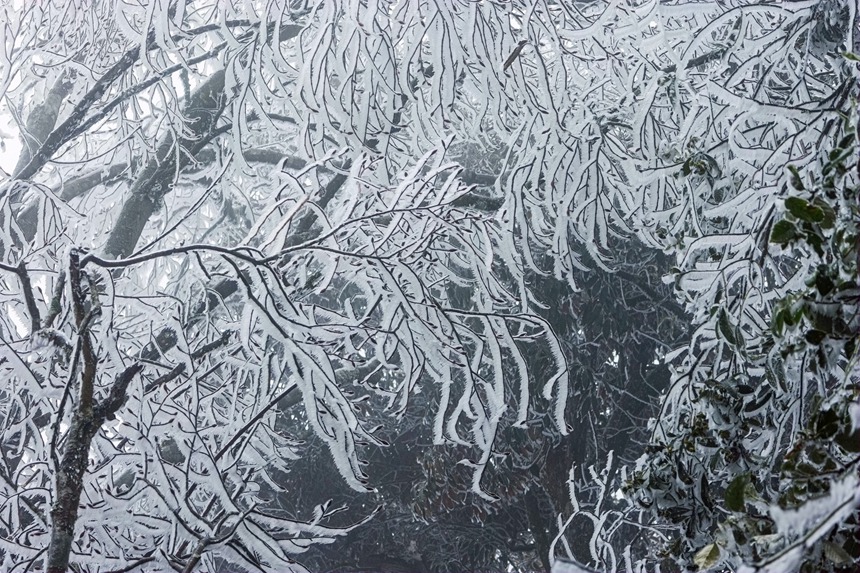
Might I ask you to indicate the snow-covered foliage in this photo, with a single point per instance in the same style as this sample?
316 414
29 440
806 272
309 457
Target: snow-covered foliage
194 235
220 210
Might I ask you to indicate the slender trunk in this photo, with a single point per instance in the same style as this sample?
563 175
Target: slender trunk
67 493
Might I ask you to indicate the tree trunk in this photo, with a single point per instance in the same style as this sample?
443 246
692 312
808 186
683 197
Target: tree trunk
67 493
156 179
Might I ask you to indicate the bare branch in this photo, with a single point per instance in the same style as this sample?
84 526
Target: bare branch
27 290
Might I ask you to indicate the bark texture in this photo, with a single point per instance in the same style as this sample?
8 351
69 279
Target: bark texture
69 484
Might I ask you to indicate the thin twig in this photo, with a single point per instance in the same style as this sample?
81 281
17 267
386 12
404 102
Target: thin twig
253 421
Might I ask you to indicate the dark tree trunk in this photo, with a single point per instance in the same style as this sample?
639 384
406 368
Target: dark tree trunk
69 484
86 422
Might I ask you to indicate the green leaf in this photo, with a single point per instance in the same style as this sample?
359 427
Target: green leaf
783 232
848 439
685 168
838 155
777 324
827 424
801 209
828 214
851 56
815 241
850 347
707 557
815 336
823 283
837 554
796 181
796 206
846 141
725 327
814 214
735 492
